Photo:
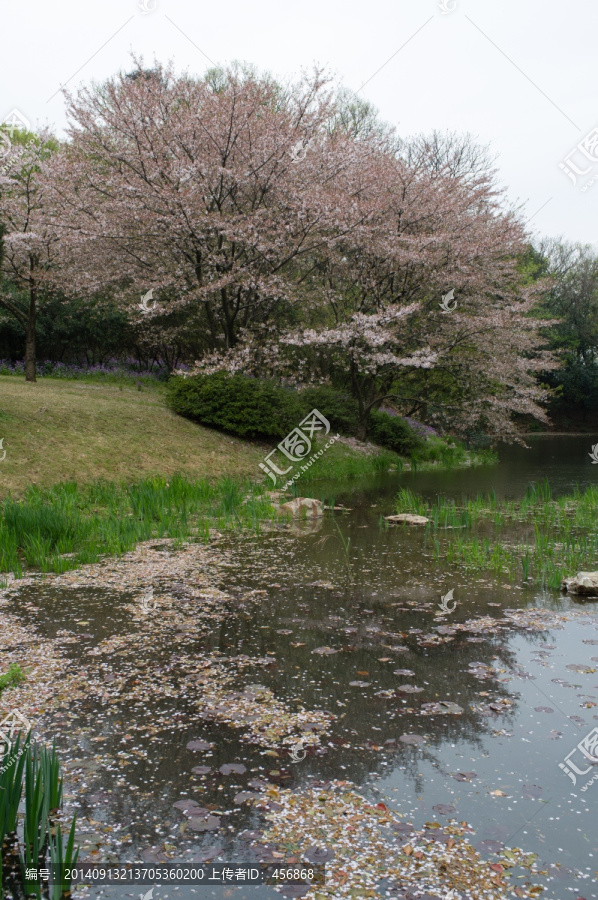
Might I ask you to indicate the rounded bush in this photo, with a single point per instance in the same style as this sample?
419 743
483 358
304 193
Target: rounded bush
262 408
393 432
341 410
238 404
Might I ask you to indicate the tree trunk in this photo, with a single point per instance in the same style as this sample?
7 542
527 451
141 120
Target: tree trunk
30 357
363 421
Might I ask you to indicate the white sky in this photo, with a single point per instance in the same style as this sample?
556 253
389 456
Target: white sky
519 75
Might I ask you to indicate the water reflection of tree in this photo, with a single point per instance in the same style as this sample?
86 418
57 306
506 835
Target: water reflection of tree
316 682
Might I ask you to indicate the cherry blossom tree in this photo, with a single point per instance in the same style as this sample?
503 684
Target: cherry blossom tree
368 352
215 193
305 237
377 325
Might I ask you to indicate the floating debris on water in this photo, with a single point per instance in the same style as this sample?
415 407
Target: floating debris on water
367 844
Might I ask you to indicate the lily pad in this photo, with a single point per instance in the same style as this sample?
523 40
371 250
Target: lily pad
490 846
295 890
324 651
185 804
403 672
258 785
441 708
409 689
208 823
201 770
232 769
199 745
206 856
531 790
152 856
315 854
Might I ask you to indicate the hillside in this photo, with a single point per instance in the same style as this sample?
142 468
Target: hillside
59 429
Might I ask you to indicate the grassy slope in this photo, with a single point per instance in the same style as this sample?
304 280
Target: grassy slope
56 430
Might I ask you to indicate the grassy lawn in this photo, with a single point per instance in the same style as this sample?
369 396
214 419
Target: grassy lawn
59 429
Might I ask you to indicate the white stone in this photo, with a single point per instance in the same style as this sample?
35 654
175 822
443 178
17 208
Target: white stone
408 518
583 583
303 506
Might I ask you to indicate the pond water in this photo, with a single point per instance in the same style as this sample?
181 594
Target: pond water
563 460
369 593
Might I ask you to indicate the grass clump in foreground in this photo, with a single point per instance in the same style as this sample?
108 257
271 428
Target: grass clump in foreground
69 525
538 539
12 678
31 776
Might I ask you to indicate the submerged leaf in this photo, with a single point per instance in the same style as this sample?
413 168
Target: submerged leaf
199 745
411 739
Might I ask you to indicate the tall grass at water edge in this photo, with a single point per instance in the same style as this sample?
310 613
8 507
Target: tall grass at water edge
66 526
547 538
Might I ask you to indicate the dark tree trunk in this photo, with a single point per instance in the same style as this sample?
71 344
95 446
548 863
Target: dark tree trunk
26 319
362 414
30 355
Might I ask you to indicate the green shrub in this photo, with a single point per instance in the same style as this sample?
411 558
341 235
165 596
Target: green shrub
341 410
261 408
252 407
248 407
393 432
447 454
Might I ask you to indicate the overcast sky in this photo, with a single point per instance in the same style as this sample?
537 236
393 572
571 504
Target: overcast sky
520 75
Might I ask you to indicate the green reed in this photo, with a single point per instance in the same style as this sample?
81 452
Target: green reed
62 858
31 773
93 520
537 538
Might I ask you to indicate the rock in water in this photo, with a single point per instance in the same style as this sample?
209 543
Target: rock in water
303 506
409 518
585 583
